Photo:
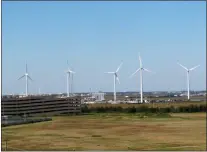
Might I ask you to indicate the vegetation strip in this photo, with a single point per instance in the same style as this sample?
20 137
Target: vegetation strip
190 108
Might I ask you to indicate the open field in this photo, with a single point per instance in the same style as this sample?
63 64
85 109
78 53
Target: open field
180 131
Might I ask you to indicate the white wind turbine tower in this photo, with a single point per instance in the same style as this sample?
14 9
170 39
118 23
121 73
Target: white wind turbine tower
141 78
39 91
115 78
26 75
68 72
188 77
71 84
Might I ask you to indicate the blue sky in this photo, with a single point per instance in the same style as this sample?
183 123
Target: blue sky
95 37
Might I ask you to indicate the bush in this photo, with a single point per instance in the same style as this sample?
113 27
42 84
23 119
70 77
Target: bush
119 109
144 108
131 110
85 109
202 108
153 110
172 109
163 110
101 110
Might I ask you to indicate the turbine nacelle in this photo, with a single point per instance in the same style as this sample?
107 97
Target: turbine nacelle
141 68
141 81
26 75
116 78
188 78
115 73
188 70
68 72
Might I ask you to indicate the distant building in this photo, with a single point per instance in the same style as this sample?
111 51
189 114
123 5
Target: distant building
98 96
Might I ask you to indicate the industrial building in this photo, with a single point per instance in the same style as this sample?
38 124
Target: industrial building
98 96
40 106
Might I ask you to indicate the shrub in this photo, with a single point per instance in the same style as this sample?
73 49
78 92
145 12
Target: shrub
131 110
119 109
101 110
153 110
172 109
202 108
85 109
143 108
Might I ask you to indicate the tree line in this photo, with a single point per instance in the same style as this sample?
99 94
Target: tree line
119 109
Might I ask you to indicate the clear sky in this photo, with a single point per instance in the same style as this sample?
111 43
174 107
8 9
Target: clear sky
95 37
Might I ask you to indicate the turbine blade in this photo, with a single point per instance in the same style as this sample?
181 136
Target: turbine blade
140 60
182 66
71 71
69 67
26 67
21 77
147 70
194 68
117 78
110 72
30 78
134 73
119 67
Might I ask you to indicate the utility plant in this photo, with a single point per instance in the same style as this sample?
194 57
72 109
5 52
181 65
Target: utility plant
115 78
69 73
188 76
141 77
26 75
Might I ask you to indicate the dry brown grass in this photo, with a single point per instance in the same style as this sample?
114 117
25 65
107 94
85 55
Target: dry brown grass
110 132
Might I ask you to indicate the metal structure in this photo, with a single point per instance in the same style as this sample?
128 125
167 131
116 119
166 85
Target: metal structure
115 78
41 106
188 76
69 73
26 75
141 77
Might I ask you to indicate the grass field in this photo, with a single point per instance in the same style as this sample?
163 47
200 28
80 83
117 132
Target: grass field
180 131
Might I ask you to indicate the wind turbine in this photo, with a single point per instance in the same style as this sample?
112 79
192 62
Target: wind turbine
68 72
26 75
115 78
188 76
39 91
71 84
141 79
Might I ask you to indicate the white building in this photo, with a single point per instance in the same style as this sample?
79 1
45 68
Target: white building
98 96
